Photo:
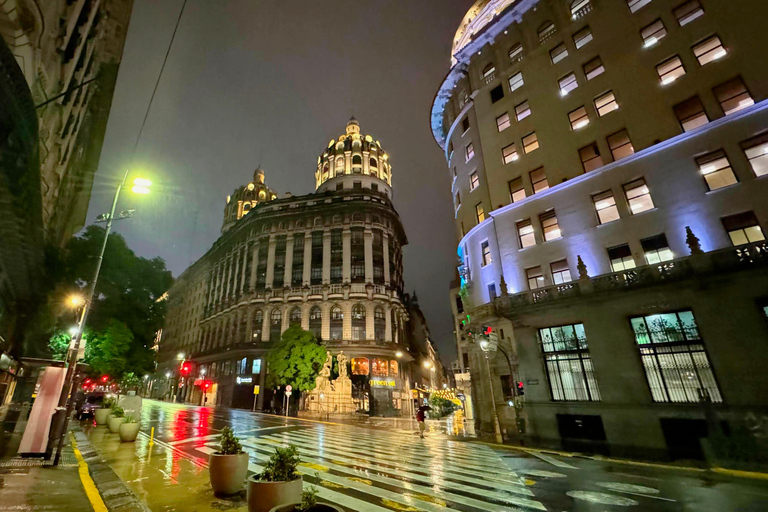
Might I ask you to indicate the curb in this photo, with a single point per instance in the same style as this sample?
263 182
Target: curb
116 495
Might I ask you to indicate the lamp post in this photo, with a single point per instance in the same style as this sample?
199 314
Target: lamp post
487 347
141 186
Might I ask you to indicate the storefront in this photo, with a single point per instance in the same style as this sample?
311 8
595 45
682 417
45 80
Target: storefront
377 386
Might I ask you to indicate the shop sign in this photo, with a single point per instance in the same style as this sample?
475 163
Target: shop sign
415 393
244 380
383 383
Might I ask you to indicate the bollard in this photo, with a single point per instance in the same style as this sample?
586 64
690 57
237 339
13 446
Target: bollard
152 436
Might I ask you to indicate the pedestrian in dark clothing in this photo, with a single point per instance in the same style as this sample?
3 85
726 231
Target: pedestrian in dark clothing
420 414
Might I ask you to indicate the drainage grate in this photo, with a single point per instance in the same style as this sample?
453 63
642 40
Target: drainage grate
67 459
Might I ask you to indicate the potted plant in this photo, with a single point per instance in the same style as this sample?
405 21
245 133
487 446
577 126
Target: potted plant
101 415
308 503
129 429
228 466
279 484
116 419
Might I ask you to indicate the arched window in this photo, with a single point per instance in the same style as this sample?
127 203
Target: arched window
545 30
326 168
257 324
339 165
380 367
337 323
373 162
379 324
359 366
357 160
295 317
577 6
488 71
358 322
358 217
393 368
316 321
275 325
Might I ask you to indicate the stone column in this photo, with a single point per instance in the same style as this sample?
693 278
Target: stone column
265 324
243 266
307 275
249 326
325 328
369 317
254 262
346 307
388 324
368 247
346 245
225 278
262 384
385 248
326 256
288 260
236 273
271 262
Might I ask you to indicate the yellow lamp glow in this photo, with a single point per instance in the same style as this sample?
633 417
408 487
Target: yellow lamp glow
142 182
75 300
140 190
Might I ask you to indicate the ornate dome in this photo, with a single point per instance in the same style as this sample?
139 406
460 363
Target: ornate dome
244 198
354 158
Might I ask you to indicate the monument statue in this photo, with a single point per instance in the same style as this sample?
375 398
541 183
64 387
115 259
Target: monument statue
342 359
326 371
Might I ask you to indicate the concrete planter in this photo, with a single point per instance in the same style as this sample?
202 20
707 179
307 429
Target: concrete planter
266 496
114 423
129 431
101 416
227 473
320 507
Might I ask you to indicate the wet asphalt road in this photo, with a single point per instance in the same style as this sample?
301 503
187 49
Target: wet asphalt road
375 470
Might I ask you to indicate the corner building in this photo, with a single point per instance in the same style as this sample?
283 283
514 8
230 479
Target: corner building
330 261
608 164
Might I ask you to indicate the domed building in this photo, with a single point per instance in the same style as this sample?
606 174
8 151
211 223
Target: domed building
329 261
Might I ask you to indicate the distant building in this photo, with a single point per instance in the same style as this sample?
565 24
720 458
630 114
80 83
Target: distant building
608 165
330 261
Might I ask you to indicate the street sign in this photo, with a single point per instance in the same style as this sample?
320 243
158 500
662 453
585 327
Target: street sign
288 388
256 389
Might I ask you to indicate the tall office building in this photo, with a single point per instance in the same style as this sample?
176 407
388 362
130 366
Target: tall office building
608 164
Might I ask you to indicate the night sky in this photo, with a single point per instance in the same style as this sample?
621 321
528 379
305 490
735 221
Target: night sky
269 83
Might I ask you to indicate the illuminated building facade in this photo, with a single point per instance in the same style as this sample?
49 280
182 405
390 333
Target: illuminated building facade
608 164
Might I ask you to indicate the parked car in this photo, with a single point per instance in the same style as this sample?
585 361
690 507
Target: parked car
92 402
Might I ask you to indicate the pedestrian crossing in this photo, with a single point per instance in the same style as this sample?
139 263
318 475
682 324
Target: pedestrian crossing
378 471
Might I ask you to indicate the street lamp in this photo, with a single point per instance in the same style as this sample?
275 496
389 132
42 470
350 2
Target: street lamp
486 347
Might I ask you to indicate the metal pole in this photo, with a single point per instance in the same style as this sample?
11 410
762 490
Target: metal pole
496 425
64 398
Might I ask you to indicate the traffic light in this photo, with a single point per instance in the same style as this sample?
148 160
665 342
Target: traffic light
487 329
206 385
520 388
105 378
185 369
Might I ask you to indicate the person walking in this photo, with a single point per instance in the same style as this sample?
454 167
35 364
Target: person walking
420 416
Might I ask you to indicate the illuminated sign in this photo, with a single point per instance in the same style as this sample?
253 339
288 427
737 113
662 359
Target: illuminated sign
383 383
244 380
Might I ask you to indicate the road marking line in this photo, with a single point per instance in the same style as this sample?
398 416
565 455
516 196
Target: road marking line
644 495
553 461
191 439
85 477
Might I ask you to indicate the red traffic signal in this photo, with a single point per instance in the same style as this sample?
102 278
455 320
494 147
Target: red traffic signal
487 330
520 388
206 385
185 368
105 378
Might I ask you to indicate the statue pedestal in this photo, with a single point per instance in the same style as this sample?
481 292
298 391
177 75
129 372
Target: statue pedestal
336 399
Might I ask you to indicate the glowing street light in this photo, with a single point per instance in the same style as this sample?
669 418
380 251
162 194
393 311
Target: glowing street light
141 186
75 300
398 354
73 331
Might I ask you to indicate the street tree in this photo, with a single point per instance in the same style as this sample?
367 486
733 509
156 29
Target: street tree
296 360
59 343
107 352
130 381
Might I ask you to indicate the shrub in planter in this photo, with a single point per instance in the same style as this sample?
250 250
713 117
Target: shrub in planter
279 484
116 419
308 503
101 415
228 467
129 429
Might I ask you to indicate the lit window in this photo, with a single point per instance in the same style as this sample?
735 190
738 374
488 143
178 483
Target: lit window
733 96
582 37
691 114
393 367
743 228
539 180
522 110
708 50
464 125
359 366
638 196
525 234
579 8
502 122
620 144
653 33
530 143
621 258
634 5
560 272
549 226
486 253
509 153
606 103
670 70
656 249
558 53
479 212
716 170
497 93
570 371
567 84
535 278
474 181
593 68
516 52
590 157
676 365
516 190
469 152
756 151
546 30
488 72
605 206
256 366
688 12
578 118
515 81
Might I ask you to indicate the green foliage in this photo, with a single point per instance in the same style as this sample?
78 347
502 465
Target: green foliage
109 403
107 352
130 381
59 345
296 360
117 411
282 465
130 418
308 497
441 407
230 444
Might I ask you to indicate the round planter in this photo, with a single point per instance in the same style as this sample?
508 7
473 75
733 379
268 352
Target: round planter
265 496
227 473
320 507
114 423
101 416
129 431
